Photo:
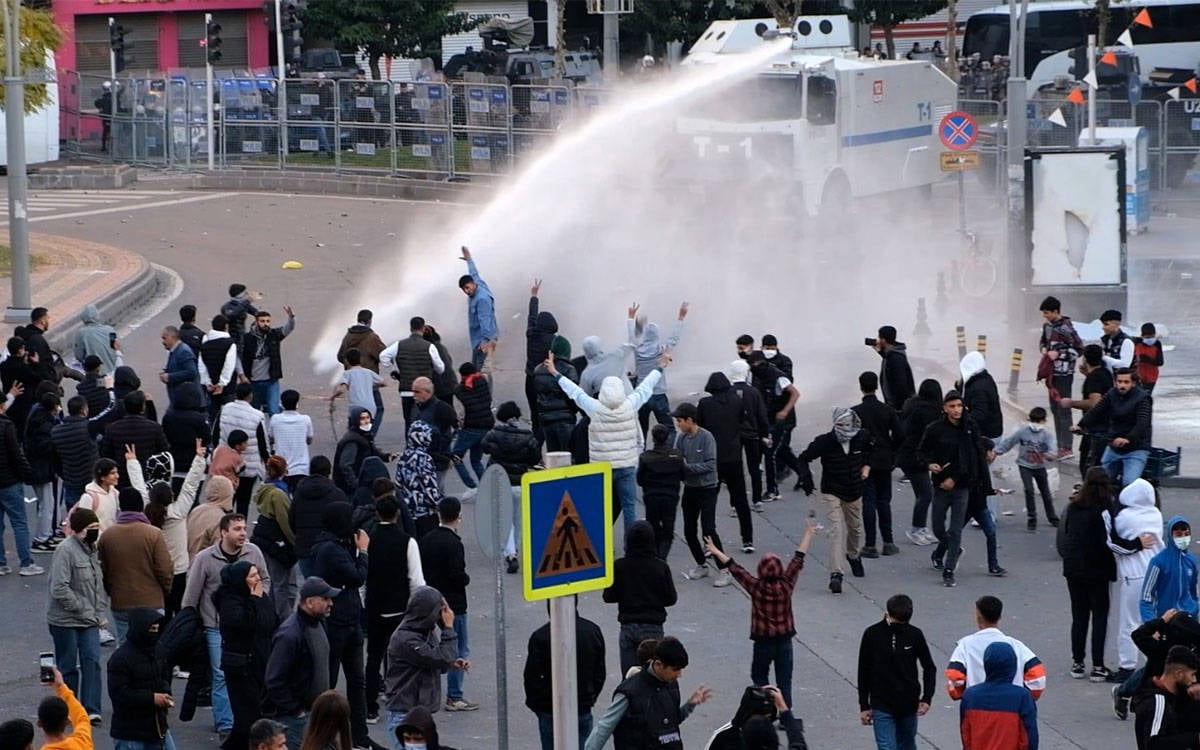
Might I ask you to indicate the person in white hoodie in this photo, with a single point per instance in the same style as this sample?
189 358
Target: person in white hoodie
1037 445
1135 537
613 434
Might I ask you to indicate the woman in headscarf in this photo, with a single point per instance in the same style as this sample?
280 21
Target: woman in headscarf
417 478
248 621
843 452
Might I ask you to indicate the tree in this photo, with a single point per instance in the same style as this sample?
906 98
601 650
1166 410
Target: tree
676 20
38 35
887 14
395 28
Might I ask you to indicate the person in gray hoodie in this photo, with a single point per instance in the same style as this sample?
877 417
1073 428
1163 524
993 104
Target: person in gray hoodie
602 364
99 339
77 607
1037 445
422 648
645 359
700 487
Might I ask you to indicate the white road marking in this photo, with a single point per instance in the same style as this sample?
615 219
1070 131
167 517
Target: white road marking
128 207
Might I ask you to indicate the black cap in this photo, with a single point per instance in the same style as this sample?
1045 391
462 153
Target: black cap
236 289
686 410
314 586
755 357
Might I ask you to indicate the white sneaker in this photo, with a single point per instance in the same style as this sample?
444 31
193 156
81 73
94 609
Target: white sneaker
107 638
31 570
758 508
929 536
179 674
696 573
468 494
5 570
733 512
723 579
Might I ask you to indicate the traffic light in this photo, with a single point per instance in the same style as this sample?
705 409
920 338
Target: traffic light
1079 63
116 42
290 13
212 41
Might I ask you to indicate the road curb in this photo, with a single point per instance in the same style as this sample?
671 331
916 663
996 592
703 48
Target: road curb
115 310
322 183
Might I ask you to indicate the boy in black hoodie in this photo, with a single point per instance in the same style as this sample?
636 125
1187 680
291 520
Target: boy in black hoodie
138 686
721 414
890 696
642 589
660 474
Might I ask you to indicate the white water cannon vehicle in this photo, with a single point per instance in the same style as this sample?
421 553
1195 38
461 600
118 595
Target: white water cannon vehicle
817 126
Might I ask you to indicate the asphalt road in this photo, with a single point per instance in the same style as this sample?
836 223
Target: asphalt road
343 243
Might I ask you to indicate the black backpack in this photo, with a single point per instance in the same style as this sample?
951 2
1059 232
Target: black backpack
269 538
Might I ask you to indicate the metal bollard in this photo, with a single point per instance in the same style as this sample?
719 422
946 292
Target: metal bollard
981 344
922 326
960 333
1014 374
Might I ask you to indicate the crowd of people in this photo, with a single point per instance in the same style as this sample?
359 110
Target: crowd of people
258 572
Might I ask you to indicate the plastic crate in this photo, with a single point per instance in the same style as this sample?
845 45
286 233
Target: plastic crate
1162 463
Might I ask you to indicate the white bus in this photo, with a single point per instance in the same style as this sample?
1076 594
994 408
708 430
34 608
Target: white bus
41 127
1054 28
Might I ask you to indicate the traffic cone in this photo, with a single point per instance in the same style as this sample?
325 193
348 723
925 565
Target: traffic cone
922 326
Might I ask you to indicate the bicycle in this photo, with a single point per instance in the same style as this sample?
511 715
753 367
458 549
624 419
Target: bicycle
977 272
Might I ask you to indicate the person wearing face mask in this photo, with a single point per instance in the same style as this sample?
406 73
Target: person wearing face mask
1147 356
844 452
262 361
1157 723
76 611
139 688
356 445
419 732
1171 579
770 350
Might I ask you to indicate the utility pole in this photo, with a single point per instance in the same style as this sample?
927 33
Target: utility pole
281 86
14 121
1018 261
612 42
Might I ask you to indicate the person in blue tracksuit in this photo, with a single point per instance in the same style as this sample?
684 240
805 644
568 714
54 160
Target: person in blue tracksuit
1170 581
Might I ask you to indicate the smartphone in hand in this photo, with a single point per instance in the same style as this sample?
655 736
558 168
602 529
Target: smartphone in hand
46 667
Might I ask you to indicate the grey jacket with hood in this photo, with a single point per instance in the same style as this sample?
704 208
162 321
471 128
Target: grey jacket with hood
418 653
77 598
95 338
650 348
602 364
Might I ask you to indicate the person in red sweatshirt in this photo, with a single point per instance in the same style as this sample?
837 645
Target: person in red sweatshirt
996 714
1147 357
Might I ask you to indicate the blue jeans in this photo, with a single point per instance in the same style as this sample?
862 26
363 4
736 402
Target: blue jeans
12 504
394 719
295 729
77 655
469 440
266 396
222 711
454 677
987 524
121 623
777 649
894 732
546 729
1124 466
661 409
625 495
166 743
949 537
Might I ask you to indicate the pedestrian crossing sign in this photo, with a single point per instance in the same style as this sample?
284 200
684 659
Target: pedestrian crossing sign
566 530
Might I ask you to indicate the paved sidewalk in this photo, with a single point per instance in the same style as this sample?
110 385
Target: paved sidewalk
71 274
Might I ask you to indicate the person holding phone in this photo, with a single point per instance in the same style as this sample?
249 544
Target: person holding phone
76 612
63 720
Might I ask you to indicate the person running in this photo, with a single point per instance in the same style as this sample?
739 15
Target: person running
721 414
844 452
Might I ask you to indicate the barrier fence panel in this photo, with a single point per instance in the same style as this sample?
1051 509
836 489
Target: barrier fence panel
538 114
366 111
485 130
423 139
312 116
1181 123
249 122
72 100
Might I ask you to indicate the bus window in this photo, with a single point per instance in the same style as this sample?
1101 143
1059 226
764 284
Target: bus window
822 100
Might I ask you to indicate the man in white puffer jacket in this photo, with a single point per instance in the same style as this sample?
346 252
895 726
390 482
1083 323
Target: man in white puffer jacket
614 434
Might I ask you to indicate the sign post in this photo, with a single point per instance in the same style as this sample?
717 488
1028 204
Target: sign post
493 514
958 131
567 546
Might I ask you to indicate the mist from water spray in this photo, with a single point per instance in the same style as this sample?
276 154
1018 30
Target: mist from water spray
596 218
